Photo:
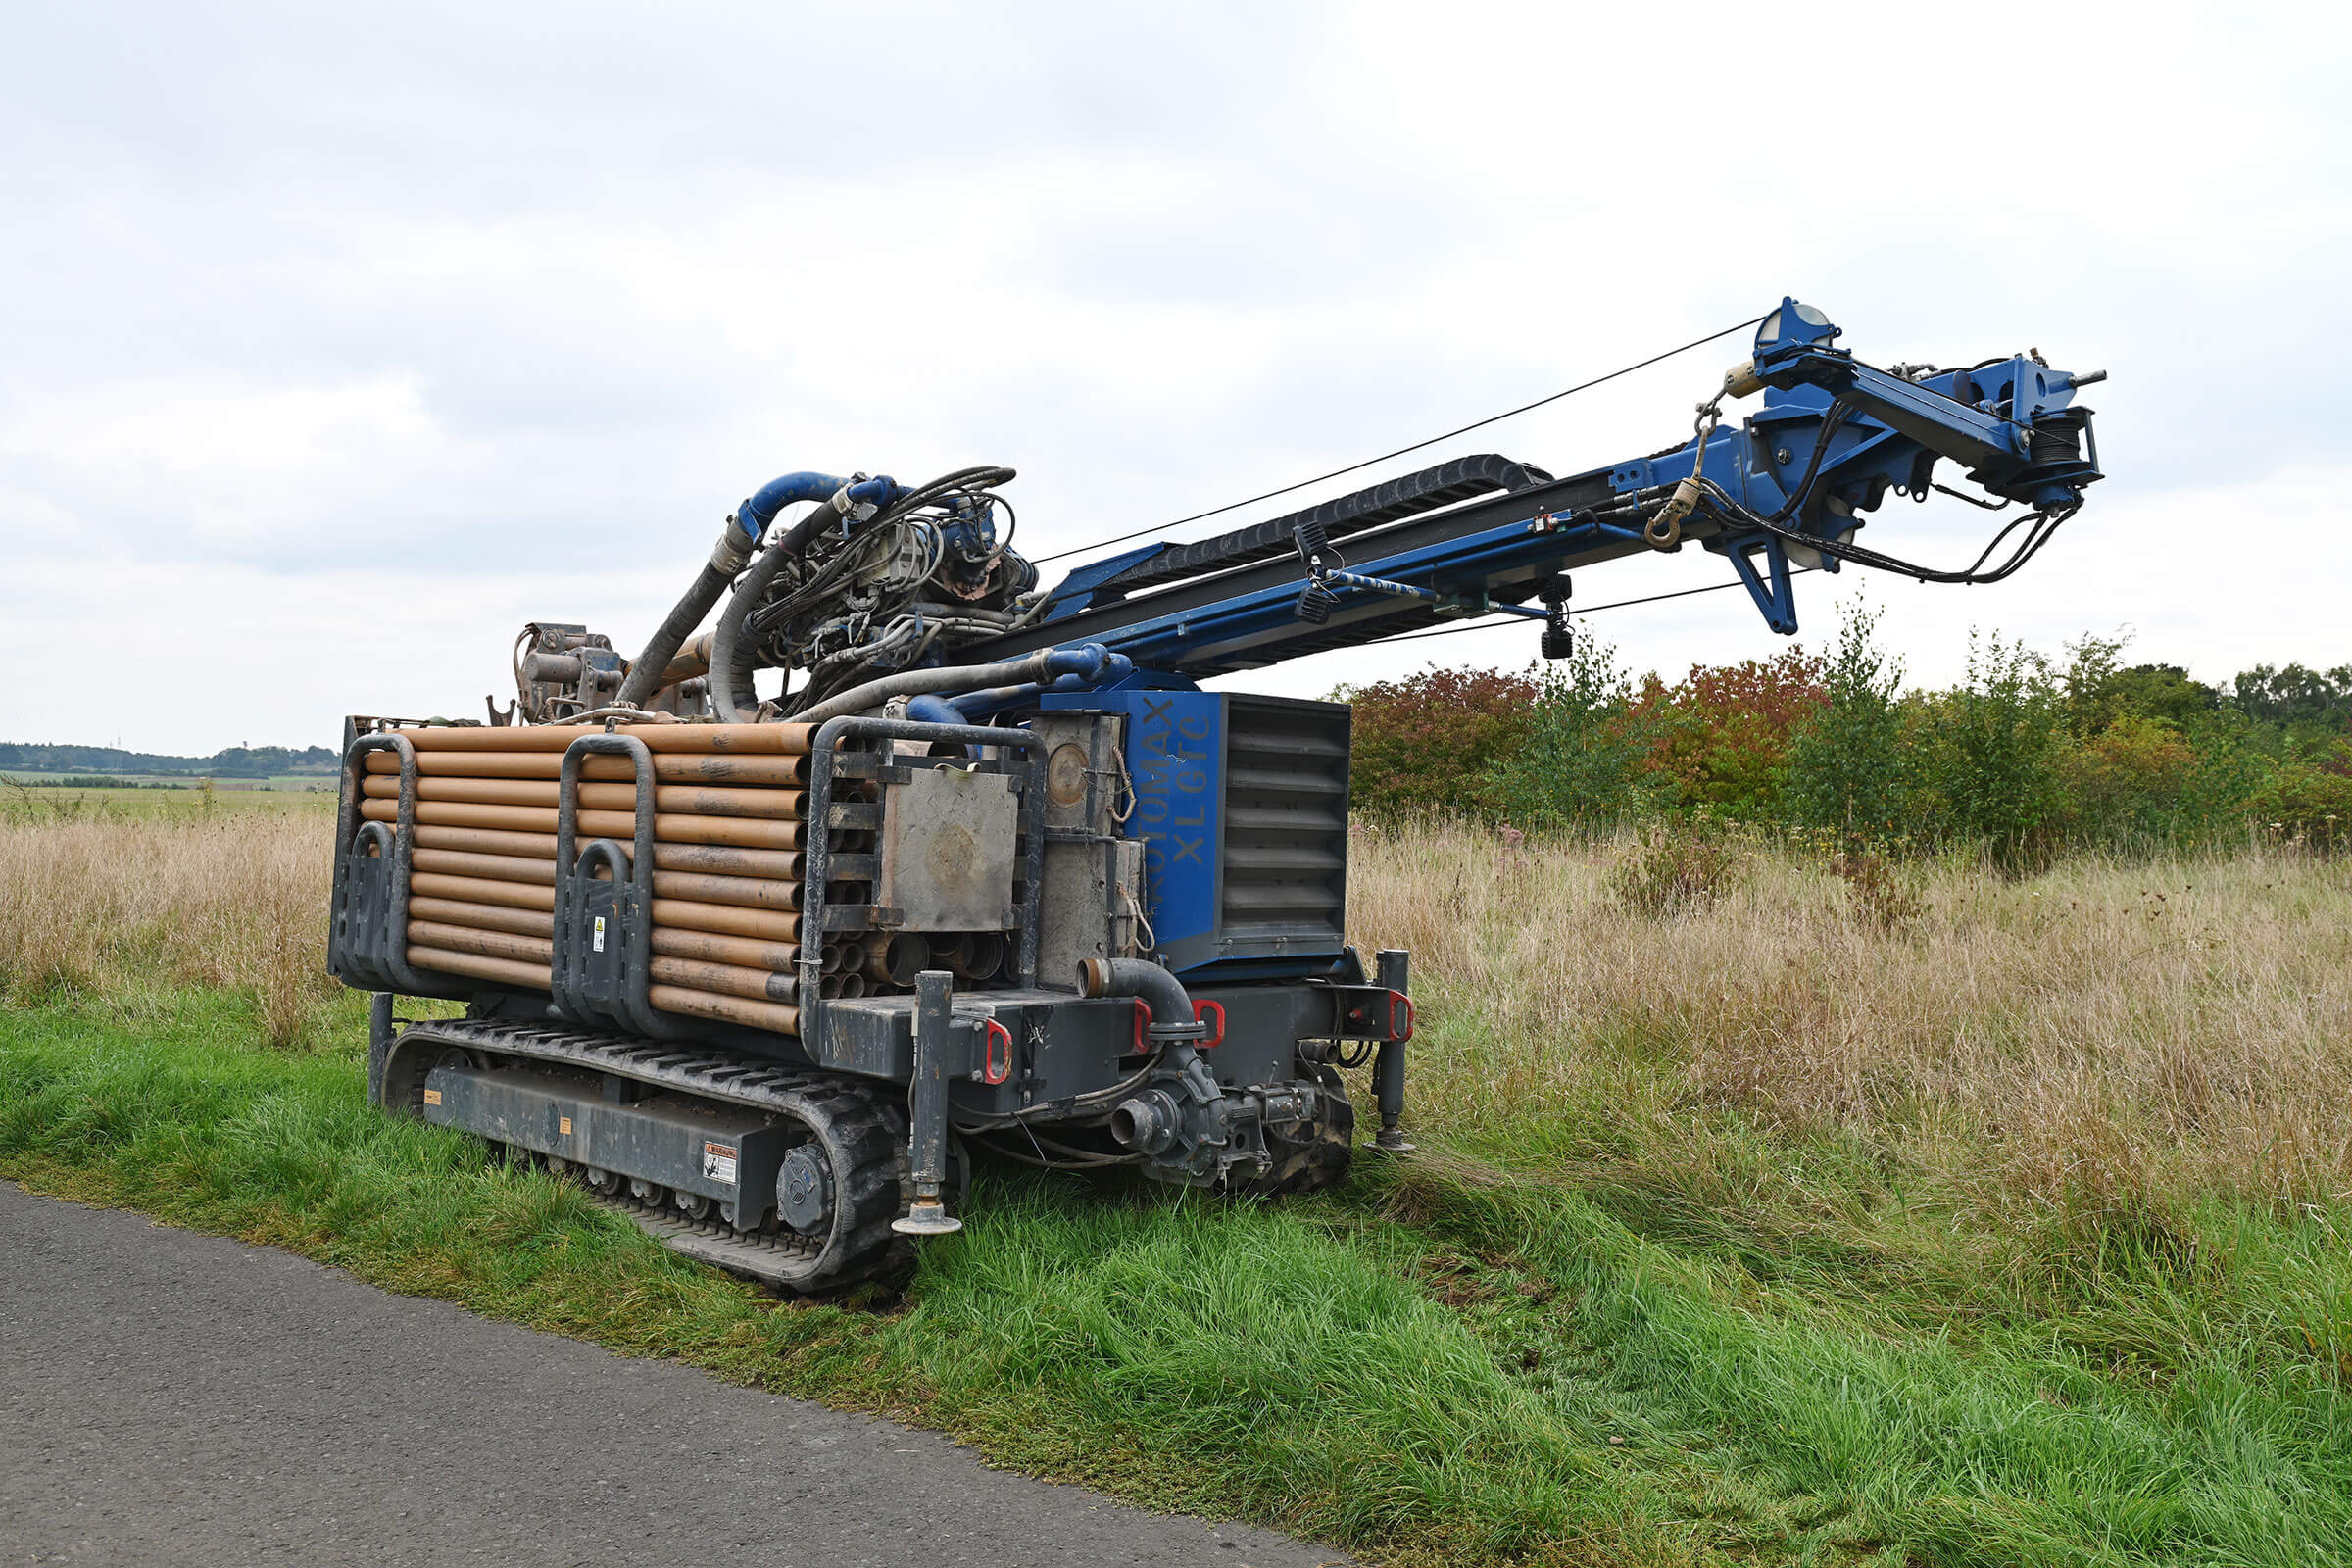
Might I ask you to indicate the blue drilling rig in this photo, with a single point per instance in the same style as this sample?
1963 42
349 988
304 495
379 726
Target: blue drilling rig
989 870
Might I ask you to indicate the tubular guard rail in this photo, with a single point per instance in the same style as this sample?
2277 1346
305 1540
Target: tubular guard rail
603 960
367 929
830 763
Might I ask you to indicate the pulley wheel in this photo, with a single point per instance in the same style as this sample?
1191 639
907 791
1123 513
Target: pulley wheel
805 1189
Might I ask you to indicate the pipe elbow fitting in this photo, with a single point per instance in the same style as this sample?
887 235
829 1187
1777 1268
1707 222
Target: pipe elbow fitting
932 708
1090 661
876 493
1170 1004
760 509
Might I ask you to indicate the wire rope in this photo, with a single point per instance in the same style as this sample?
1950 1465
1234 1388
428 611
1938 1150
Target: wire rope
1476 425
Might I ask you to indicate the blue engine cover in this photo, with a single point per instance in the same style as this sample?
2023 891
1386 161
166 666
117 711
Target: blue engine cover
1242 803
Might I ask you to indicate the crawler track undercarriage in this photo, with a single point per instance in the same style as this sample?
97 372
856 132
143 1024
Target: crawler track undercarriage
591 1107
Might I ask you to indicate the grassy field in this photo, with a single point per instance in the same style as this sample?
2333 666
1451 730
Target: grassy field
47 794
1974 1221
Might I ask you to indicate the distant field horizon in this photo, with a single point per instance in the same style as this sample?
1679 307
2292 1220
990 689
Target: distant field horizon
47 760
60 779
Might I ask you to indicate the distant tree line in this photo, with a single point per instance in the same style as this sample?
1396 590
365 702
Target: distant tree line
2026 757
235 762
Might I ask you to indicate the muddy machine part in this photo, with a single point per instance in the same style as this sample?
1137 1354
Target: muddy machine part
763 933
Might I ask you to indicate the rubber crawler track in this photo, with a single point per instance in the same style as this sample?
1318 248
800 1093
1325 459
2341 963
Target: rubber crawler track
864 1133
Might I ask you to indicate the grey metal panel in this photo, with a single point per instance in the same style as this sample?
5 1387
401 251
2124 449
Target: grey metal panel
948 841
1093 877
719 1152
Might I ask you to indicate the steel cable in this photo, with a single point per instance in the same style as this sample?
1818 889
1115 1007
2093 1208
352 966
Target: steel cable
1476 425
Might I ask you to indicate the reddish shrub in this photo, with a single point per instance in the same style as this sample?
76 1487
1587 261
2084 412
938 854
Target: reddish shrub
1721 736
1424 743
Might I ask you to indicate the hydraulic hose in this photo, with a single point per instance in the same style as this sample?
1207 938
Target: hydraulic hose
965 709
1091 661
731 662
647 672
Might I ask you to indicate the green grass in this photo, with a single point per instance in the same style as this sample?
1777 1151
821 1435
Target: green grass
32 798
1550 1348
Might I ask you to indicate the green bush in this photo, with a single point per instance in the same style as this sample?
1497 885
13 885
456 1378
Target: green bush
1845 767
2022 761
2310 803
1678 865
1579 765
1988 752
1719 740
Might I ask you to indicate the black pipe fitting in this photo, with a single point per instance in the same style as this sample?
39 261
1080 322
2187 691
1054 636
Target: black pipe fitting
1171 1004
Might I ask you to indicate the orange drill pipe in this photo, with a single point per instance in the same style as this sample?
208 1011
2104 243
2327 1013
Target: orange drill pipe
782 864
738 832
496 867
726 919
480 890
483 916
725 1009
742 890
750 892
726 979
482 943
475 966
768 740
745 953
676 767
692 799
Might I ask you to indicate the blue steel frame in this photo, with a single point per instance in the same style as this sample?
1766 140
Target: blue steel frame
1876 432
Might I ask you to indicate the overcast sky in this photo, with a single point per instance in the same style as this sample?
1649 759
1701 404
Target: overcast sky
340 342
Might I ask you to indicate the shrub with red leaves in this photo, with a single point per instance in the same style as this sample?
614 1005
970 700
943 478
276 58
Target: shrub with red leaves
1424 743
1721 736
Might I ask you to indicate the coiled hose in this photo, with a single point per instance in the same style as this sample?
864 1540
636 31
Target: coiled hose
736 542
733 659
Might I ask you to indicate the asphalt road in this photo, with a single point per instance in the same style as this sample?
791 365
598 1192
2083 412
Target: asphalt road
174 1399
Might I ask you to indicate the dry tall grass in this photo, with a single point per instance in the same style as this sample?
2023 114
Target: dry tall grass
2107 1033
115 902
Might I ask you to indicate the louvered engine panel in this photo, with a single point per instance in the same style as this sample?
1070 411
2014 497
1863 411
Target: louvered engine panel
1283 863
1242 805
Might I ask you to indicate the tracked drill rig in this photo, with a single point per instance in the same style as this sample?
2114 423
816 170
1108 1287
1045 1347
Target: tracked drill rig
990 871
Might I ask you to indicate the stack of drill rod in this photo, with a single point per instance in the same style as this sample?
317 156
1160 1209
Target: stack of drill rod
730 817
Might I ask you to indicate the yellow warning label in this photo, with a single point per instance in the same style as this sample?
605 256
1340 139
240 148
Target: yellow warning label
563 1125
432 1096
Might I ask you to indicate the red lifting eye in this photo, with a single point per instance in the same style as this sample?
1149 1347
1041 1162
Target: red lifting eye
1397 999
1201 1010
991 1070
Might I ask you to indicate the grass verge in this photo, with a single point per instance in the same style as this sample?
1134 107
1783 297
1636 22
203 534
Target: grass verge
1623 1361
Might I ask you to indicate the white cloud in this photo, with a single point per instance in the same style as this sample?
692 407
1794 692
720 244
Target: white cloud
502 307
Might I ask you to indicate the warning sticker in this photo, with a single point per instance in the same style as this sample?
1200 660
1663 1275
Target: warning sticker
432 1096
599 933
718 1162
563 1125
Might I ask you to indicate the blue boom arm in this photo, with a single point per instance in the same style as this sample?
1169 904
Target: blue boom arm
1787 488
